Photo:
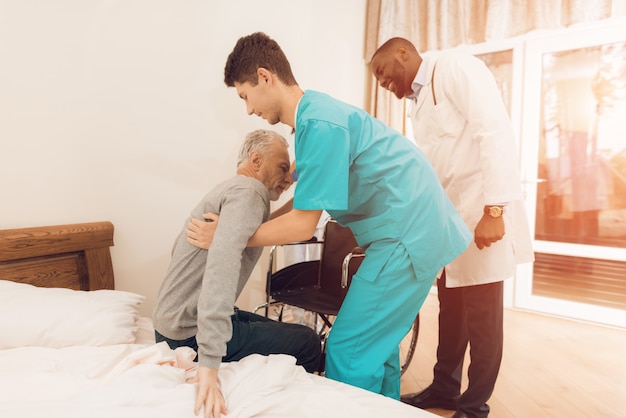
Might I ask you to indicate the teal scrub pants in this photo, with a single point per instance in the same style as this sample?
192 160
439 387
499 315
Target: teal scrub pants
363 344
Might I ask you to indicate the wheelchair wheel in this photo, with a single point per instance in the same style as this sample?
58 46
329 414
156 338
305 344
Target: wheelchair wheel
408 350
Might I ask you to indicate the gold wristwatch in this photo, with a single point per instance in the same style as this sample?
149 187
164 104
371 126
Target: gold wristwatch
494 211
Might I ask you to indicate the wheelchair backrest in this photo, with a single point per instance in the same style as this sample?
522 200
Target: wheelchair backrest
338 242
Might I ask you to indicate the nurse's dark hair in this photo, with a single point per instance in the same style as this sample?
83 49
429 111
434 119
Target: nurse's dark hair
394 43
253 52
261 141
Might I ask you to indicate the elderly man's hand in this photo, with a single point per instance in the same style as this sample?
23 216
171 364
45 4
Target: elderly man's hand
209 396
200 232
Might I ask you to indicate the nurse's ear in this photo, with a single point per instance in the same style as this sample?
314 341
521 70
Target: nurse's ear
265 76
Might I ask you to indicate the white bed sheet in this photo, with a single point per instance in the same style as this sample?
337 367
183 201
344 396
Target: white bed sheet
150 380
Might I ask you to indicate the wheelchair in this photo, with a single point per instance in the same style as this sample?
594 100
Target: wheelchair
320 286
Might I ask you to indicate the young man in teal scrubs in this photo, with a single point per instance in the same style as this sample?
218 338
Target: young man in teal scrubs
369 178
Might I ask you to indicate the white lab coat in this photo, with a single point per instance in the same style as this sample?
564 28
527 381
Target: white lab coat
468 138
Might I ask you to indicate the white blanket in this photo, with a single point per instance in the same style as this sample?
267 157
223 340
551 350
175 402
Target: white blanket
152 381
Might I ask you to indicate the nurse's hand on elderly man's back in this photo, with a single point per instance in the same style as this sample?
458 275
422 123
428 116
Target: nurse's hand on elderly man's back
200 231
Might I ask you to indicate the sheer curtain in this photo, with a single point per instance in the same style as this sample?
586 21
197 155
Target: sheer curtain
441 24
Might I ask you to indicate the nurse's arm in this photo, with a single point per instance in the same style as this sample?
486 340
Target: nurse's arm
295 225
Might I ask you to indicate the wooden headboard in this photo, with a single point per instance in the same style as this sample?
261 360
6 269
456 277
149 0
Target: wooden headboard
74 256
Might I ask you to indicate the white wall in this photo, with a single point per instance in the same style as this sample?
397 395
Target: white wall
117 110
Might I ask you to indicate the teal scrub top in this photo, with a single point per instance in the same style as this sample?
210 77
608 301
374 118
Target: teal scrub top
375 181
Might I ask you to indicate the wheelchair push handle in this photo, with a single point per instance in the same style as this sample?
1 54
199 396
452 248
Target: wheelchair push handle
345 267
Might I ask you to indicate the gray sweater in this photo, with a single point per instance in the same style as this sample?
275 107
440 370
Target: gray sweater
198 294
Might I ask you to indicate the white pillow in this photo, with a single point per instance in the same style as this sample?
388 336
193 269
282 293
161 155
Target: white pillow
56 317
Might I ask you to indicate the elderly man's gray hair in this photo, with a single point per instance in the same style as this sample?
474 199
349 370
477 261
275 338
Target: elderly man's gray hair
260 141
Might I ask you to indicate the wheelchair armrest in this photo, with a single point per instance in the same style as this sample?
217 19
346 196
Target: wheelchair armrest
345 267
312 240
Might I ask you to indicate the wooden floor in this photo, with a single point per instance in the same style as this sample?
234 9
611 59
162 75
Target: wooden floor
552 367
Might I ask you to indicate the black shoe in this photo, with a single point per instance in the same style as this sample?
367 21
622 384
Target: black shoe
483 412
427 399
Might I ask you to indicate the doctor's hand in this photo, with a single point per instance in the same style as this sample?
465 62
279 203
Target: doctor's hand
200 233
209 394
488 231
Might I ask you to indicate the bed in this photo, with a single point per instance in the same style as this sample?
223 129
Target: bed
73 346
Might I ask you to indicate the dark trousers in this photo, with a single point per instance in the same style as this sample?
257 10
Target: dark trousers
255 334
469 315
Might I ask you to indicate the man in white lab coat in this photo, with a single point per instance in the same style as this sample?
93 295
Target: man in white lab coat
461 124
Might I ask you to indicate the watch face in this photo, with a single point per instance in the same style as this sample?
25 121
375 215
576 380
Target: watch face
495 211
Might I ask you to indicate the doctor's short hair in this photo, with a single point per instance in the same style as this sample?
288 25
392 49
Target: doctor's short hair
253 52
391 45
261 141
